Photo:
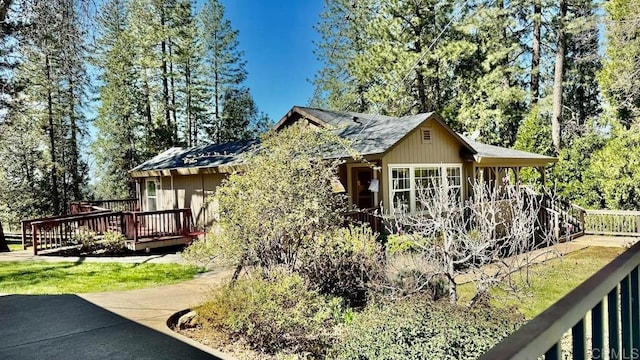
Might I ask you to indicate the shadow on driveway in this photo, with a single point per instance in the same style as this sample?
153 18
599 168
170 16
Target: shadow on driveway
69 327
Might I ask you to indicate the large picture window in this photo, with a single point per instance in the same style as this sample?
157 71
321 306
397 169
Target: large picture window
407 181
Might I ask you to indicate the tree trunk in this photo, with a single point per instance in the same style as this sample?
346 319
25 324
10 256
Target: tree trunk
76 178
55 195
4 247
165 76
535 57
557 80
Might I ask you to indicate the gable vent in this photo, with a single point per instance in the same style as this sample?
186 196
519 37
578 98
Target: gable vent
426 135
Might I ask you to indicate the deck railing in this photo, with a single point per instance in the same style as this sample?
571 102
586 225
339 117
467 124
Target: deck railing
612 222
130 204
157 224
55 233
370 216
606 306
61 231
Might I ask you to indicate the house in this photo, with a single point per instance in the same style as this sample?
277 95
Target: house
400 152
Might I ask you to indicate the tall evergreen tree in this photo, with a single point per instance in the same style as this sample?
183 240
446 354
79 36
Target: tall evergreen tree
620 79
224 61
343 37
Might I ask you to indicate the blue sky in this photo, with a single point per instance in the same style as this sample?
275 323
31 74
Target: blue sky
277 40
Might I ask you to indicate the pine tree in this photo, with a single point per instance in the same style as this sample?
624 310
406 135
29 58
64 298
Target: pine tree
121 112
343 37
494 102
190 79
619 79
224 62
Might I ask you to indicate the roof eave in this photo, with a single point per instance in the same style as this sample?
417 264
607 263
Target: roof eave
514 162
219 169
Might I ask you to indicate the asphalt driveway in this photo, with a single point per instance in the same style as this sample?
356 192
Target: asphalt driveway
68 327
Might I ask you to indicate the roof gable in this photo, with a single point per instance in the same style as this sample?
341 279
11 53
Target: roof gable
371 133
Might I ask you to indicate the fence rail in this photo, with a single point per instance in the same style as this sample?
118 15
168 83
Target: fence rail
156 224
130 204
47 234
370 216
611 298
61 231
612 222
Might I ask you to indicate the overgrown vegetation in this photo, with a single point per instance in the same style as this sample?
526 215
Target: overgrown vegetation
278 314
418 328
305 273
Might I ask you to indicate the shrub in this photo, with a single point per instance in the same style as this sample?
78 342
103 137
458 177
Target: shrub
87 240
284 199
279 314
343 263
113 242
416 328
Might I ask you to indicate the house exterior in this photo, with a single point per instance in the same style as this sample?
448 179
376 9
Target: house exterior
400 153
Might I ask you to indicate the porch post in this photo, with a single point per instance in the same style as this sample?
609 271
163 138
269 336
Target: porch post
543 172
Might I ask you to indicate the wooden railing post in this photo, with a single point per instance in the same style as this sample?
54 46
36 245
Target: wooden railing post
24 235
135 227
34 235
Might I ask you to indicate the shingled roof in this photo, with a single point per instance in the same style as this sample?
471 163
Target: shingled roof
207 156
371 134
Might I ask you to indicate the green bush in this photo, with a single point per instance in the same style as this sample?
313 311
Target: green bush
113 242
416 328
87 240
343 263
278 314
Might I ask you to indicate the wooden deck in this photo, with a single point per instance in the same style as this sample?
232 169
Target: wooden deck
143 230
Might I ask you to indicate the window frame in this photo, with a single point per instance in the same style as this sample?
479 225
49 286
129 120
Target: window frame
443 170
148 197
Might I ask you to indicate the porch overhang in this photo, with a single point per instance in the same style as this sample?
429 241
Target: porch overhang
486 161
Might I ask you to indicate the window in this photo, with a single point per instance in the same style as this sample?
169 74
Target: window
400 188
151 194
454 183
427 180
410 183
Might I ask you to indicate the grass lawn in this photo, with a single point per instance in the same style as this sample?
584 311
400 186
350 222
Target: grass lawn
38 277
15 247
550 281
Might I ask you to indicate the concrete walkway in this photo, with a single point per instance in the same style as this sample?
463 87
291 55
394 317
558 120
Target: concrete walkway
152 307
66 326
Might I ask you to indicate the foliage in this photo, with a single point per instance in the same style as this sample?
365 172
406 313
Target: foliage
113 242
416 328
86 240
283 202
343 263
572 174
39 277
272 315
616 176
619 78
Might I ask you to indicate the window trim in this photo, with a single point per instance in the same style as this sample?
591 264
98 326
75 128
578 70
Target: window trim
412 182
146 193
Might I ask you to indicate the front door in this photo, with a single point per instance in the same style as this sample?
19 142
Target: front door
360 181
